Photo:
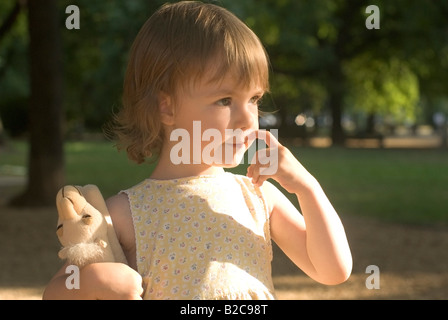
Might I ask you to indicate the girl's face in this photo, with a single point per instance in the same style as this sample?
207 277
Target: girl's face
221 115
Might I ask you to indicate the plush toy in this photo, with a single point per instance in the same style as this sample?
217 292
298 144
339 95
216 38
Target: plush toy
85 228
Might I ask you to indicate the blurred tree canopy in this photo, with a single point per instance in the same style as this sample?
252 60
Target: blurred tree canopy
323 58
94 60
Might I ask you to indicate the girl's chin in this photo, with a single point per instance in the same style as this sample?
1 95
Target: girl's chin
230 157
227 163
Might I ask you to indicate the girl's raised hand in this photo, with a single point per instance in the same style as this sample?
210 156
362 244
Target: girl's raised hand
278 163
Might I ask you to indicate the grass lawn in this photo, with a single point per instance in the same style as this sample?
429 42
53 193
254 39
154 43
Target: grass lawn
397 185
407 186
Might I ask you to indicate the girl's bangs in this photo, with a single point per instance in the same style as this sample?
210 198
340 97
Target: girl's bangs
249 67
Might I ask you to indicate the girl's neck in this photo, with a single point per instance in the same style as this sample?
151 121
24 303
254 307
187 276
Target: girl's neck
165 169
166 172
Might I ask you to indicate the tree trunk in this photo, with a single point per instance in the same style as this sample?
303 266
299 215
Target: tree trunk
370 125
444 134
337 132
45 156
336 91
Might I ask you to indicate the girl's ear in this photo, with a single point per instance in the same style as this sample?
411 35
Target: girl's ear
166 109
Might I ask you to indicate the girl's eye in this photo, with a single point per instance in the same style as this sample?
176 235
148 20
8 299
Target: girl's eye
225 102
255 100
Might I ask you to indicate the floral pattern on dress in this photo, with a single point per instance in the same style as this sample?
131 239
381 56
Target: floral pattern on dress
204 237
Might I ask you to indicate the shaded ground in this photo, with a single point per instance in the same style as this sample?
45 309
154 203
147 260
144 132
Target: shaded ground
412 260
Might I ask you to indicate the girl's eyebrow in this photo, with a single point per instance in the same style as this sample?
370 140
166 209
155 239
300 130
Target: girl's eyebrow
230 92
222 92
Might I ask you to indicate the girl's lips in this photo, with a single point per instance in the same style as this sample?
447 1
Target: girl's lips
236 145
239 143
245 141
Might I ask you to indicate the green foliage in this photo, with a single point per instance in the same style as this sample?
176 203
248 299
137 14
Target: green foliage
96 57
386 71
14 88
387 88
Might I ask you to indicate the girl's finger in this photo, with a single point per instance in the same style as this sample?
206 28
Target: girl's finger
257 178
266 161
268 138
261 179
249 171
255 173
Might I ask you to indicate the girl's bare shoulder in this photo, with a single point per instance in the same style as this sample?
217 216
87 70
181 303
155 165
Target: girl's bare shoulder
121 215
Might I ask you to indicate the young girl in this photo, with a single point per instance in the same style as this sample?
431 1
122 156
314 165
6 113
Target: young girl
192 230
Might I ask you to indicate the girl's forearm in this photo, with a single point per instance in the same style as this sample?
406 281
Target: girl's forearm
326 241
98 281
58 289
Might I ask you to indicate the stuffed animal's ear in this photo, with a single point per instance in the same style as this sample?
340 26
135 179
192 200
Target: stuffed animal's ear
93 196
60 230
70 202
87 219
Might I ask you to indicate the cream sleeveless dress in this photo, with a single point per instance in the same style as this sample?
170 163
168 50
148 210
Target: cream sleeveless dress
202 237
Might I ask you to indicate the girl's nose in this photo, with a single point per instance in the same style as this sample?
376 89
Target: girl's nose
246 117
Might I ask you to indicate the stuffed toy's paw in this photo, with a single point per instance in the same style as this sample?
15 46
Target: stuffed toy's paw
84 227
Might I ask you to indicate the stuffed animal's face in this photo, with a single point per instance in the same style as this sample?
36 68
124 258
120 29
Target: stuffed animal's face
79 221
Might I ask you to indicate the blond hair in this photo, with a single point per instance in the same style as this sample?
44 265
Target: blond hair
173 49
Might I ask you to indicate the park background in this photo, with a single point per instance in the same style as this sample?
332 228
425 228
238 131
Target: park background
365 110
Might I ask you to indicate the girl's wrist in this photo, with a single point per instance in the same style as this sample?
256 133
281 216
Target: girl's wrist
305 186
